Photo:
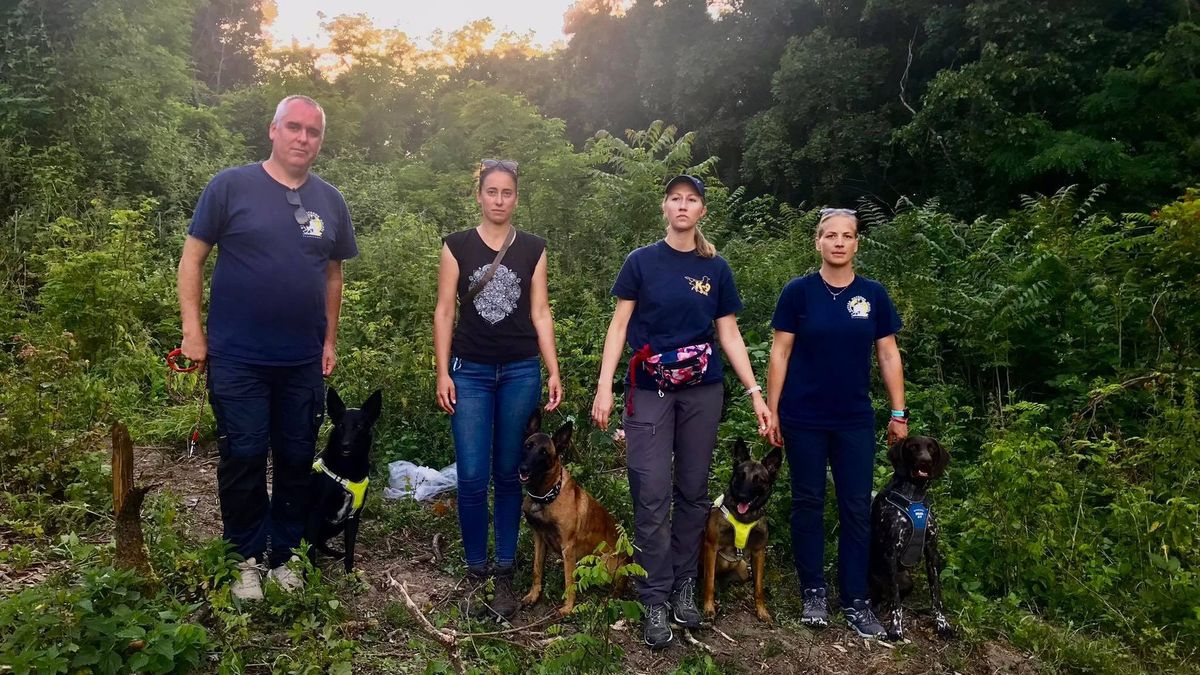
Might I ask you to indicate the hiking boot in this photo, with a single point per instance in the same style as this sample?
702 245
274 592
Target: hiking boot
286 577
816 607
473 602
862 620
504 603
248 585
656 628
683 604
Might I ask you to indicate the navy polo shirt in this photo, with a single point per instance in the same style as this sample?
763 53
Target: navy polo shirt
267 299
679 295
829 372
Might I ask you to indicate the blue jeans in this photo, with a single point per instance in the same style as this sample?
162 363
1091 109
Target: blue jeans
494 405
261 408
851 456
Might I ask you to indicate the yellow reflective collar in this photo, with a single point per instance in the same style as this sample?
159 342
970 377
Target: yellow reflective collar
357 490
741 531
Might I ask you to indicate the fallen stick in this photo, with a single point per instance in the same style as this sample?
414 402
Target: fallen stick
720 632
446 639
687 634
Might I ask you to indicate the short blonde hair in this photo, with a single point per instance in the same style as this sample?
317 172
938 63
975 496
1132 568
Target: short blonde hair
829 214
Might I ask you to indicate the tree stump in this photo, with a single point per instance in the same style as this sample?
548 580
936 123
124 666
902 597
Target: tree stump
131 552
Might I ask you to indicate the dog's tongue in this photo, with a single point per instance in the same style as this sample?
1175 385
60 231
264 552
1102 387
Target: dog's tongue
743 507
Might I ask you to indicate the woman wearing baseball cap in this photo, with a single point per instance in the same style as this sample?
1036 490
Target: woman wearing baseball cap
676 307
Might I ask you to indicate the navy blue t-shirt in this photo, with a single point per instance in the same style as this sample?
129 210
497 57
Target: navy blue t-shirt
829 372
267 303
678 296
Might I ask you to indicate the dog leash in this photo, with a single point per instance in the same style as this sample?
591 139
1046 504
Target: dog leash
173 364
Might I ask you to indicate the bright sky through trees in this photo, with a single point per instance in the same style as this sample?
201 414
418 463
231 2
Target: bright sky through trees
299 18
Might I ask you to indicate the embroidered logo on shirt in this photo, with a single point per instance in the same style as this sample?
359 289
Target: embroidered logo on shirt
701 286
314 228
858 307
499 298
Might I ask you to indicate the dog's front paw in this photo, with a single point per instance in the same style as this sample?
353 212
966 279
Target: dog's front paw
895 635
764 615
710 611
565 610
943 627
531 597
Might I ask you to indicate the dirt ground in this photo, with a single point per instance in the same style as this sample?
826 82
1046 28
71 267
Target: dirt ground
419 552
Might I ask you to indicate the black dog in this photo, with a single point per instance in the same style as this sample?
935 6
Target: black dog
903 530
339 482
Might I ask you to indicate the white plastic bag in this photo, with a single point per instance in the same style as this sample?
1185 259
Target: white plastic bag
406 479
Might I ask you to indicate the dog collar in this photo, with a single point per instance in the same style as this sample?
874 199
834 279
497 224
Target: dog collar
357 489
741 531
549 496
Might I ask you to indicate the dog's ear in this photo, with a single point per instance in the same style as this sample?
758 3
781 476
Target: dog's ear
534 424
773 461
897 456
941 459
562 438
741 452
333 403
373 406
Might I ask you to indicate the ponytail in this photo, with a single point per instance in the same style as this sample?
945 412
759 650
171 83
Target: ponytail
704 248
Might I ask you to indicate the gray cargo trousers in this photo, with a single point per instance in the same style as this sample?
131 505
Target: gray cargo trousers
669 442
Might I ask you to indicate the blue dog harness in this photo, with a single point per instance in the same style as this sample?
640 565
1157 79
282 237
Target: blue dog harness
917 513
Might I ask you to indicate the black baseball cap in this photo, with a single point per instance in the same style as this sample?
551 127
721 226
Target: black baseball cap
690 180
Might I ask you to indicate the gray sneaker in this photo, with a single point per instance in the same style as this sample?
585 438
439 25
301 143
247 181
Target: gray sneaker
683 604
656 629
286 577
863 621
816 607
249 582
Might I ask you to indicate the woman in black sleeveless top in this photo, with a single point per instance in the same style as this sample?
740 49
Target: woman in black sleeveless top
489 375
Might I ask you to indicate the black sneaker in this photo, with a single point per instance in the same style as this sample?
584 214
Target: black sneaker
683 604
504 603
816 607
656 629
863 621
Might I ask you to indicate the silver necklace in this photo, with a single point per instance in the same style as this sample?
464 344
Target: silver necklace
830 288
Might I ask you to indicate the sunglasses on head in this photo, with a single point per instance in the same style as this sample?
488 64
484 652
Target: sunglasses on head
293 198
838 212
504 164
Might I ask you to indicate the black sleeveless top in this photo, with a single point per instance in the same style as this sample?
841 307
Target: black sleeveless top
496 326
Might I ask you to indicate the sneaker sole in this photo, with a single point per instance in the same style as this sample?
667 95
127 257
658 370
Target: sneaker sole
823 623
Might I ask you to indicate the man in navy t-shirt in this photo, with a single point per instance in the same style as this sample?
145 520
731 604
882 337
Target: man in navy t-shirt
281 234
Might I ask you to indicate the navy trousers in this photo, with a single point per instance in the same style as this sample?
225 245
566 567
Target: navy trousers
261 408
851 457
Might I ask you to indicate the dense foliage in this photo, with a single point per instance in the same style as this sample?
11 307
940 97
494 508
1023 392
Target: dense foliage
1049 341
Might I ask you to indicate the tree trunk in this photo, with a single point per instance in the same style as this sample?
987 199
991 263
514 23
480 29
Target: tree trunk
131 550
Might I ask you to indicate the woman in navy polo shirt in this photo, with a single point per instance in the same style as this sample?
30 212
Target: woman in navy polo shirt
670 295
825 326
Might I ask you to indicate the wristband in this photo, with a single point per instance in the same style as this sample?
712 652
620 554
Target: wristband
900 420
900 414
751 390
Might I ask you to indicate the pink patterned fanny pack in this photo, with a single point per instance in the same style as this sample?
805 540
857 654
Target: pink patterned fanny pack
673 369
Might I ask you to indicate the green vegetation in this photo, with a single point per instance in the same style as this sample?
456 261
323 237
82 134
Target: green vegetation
1050 336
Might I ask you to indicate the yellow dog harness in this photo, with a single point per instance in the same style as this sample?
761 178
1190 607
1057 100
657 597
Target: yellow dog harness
356 490
741 531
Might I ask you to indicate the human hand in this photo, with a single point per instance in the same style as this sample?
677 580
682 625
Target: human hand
447 398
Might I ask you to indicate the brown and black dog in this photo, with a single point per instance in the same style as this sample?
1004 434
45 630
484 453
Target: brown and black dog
743 502
561 515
